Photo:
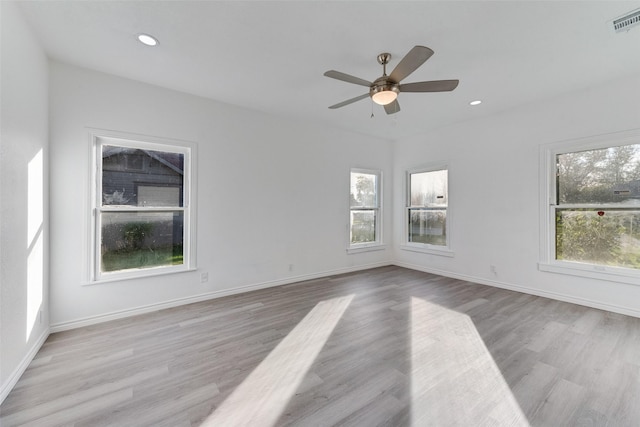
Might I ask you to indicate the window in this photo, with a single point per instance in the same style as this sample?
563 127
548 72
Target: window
142 223
593 216
364 208
426 211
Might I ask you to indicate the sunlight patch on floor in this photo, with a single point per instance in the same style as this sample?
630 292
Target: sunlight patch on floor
454 379
262 397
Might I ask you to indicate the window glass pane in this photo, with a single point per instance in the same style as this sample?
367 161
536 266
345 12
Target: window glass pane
428 226
141 240
428 188
137 177
363 190
149 195
606 237
363 226
608 175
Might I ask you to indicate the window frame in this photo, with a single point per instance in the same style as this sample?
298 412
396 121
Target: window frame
549 206
378 243
426 247
188 149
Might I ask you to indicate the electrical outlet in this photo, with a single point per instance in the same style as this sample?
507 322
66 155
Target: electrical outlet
290 267
493 269
204 277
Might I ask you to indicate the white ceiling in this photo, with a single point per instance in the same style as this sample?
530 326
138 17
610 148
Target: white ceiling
270 56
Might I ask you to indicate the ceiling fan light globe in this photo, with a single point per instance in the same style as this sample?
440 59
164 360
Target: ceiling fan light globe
384 97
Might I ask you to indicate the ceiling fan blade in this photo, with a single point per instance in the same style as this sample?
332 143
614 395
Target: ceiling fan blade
411 61
349 101
432 86
347 78
392 107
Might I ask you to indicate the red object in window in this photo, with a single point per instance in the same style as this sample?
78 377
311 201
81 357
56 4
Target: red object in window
600 213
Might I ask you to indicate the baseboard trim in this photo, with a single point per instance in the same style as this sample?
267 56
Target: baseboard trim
92 320
526 290
22 366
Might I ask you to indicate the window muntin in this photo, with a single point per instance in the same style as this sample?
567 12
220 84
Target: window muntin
596 214
142 215
364 197
427 205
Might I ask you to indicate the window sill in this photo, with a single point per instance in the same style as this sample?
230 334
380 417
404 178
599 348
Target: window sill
137 275
600 272
365 248
432 250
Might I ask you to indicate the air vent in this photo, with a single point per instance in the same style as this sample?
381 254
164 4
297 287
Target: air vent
627 22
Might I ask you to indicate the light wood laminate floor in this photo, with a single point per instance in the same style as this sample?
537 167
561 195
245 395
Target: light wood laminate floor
387 346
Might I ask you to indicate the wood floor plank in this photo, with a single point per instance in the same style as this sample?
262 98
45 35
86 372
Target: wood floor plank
560 404
409 349
534 387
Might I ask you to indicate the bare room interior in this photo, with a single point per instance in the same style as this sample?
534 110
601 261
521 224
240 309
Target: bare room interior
315 213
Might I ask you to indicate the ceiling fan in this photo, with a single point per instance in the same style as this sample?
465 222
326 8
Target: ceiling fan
384 90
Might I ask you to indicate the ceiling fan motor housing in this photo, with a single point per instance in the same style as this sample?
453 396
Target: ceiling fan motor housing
383 84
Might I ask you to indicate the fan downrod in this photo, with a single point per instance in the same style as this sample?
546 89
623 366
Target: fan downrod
383 59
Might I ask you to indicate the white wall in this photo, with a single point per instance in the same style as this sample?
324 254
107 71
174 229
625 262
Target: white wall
23 197
494 192
271 192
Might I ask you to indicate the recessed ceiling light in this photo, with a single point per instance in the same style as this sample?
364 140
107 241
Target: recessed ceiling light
147 39
476 102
